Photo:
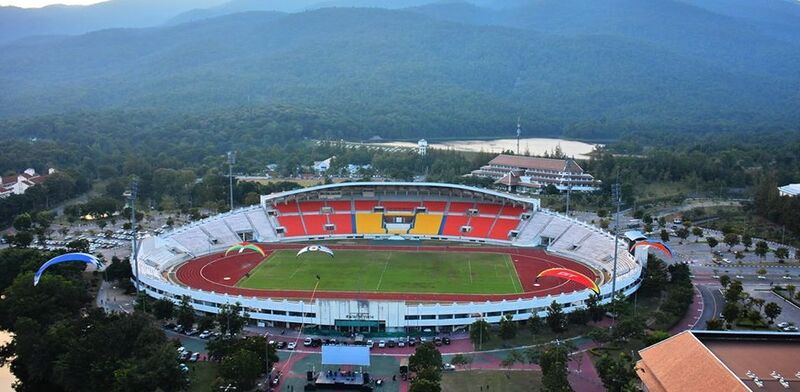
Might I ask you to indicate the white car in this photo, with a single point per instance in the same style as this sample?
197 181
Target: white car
739 276
448 367
382 344
787 277
291 346
762 277
791 328
401 343
370 343
194 357
204 335
307 342
783 324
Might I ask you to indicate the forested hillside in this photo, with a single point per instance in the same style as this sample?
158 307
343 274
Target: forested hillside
400 73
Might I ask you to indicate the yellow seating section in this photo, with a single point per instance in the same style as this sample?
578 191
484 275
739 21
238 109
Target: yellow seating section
369 223
426 224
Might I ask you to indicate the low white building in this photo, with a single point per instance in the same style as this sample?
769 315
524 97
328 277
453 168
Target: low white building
790 190
19 183
422 146
323 166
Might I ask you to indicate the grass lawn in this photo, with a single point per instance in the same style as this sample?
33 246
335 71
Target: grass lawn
385 271
497 380
202 376
526 338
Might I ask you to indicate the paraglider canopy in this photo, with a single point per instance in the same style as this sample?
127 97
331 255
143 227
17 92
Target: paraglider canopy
82 257
245 245
316 248
571 275
654 244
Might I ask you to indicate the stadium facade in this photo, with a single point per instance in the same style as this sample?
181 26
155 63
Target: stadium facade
372 211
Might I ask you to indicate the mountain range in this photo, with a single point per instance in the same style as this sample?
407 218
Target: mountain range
581 67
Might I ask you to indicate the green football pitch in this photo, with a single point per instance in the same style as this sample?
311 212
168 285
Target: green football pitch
387 271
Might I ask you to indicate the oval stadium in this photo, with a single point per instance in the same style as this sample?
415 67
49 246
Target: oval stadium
408 257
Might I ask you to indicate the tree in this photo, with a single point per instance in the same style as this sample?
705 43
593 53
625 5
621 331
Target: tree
731 239
556 319
712 242
782 254
731 312
230 319
697 232
535 323
241 369
461 360
23 222
426 362
596 310
724 280
682 233
734 291
664 235
656 276
553 361
424 385
772 311
656 336
617 374
185 313
163 309
761 249
599 335
715 324
206 322
22 239
790 288
512 358
747 241
508 329
479 332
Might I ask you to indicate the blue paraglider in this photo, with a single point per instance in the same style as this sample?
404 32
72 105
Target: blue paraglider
83 257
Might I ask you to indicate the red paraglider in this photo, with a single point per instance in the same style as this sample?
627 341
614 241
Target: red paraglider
658 245
570 275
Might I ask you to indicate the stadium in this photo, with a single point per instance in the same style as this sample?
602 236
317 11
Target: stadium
408 257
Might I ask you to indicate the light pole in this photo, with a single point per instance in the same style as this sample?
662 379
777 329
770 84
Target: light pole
616 198
132 195
231 162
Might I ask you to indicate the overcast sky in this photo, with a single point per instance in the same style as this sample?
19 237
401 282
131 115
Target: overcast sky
42 3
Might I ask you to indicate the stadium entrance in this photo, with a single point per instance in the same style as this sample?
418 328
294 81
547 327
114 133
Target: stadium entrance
364 326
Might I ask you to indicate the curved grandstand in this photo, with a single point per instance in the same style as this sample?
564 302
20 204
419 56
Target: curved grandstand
409 256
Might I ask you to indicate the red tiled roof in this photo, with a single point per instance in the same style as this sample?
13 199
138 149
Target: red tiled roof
536 163
10 179
38 179
683 363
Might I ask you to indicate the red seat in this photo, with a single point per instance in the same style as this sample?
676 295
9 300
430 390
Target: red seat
311 206
435 206
488 209
512 211
502 227
293 225
460 207
453 223
399 205
343 223
339 206
480 226
287 208
315 224
365 205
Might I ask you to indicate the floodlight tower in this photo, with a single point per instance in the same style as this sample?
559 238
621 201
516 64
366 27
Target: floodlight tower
131 194
231 162
519 132
616 200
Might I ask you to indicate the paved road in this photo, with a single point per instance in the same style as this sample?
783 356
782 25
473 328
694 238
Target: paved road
789 312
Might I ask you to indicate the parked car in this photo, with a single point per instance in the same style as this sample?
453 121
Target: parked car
382 344
446 341
790 328
391 344
291 346
370 343
437 341
783 324
401 343
448 367
281 345
204 335
194 357
307 342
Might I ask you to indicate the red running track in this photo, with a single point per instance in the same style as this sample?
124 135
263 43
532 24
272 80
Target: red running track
220 273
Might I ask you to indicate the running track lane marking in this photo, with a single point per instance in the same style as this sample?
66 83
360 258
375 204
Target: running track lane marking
385 266
511 276
469 264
